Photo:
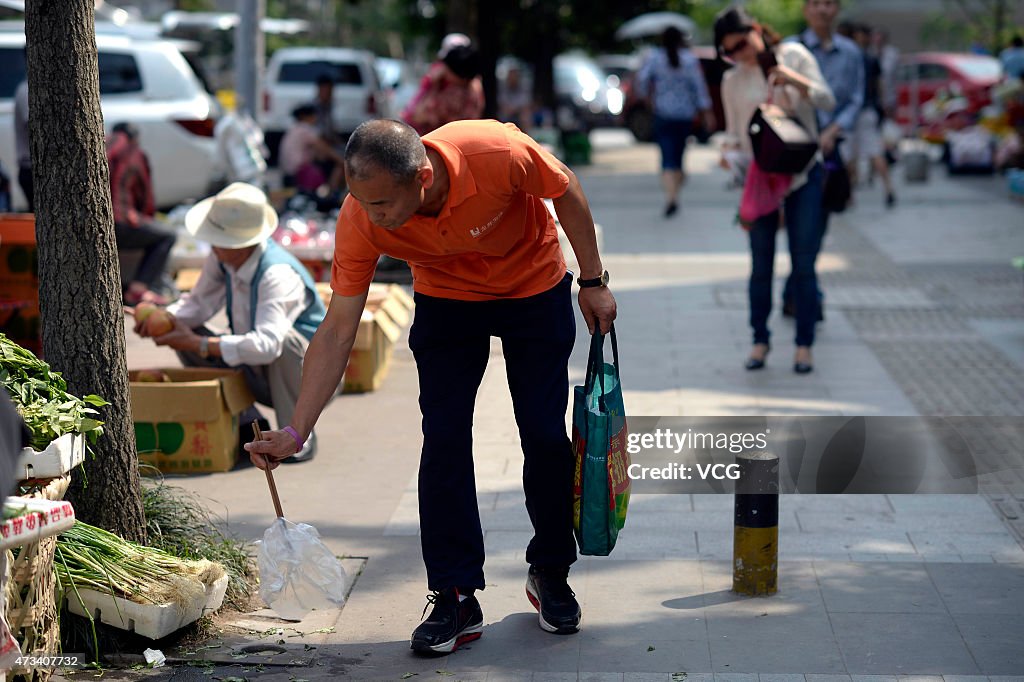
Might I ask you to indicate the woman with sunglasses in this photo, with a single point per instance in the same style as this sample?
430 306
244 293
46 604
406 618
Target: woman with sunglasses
786 74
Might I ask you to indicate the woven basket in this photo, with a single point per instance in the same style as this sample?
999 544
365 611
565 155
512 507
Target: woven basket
30 603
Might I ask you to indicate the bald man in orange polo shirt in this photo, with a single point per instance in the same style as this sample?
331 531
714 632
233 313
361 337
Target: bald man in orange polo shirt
464 206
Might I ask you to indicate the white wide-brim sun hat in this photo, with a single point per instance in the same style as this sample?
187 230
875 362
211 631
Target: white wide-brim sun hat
236 217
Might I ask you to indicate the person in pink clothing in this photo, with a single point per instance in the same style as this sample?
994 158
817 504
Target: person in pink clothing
450 91
301 148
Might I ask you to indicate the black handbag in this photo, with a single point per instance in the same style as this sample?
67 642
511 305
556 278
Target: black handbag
837 191
780 142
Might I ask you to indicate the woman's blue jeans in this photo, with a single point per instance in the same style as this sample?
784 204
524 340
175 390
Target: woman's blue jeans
802 214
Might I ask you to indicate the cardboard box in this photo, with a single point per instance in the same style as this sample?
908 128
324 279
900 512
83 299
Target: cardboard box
388 310
186 278
189 424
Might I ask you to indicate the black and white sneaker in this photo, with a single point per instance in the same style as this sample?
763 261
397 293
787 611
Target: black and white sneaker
549 592
451 624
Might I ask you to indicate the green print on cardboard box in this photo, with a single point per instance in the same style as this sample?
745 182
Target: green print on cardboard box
161 437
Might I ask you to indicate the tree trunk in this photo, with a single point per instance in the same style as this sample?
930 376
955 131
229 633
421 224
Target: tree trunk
547 41
489 41
462 17
999 24
79 277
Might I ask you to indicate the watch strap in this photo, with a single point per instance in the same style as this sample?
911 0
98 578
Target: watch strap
595 282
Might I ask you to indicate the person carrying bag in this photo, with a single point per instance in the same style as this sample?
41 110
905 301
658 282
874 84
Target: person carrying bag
770 100
601 484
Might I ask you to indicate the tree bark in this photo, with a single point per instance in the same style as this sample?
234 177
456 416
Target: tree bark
548 44
488 32
462 17
79 277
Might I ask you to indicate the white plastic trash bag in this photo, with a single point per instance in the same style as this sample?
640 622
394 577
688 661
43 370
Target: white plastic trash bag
297 571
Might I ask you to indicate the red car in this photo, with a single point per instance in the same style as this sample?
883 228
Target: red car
969 75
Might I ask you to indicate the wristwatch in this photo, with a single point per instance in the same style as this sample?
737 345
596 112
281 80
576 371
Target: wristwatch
204 347
601 281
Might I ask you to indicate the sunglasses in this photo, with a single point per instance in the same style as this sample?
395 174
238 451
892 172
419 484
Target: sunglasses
742 44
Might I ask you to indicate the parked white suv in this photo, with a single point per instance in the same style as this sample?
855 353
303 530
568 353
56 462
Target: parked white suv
145 82
291 78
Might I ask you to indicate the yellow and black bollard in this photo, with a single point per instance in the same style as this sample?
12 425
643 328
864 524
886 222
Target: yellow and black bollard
755 553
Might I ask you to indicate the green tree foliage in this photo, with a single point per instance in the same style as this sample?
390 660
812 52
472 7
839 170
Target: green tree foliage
401 27
966 23
193 5
591 24
386 27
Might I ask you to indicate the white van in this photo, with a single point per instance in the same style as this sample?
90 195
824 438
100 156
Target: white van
144 82
291 78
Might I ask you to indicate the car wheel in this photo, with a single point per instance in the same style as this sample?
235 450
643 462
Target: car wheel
641 123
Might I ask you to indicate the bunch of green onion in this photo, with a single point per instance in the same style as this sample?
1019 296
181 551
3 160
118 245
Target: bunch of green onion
92 558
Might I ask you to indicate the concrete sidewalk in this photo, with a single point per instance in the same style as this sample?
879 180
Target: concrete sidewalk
924 317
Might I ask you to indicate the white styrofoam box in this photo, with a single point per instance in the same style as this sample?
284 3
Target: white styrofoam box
43 519
154 621
60 457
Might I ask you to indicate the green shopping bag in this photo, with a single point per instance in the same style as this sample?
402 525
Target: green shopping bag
601 484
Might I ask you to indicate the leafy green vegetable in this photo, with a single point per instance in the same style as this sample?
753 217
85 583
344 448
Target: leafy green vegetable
42 400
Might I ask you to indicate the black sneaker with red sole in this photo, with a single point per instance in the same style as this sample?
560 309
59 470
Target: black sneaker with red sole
450 624
549 592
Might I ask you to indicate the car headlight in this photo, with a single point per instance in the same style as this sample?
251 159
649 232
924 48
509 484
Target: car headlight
615 101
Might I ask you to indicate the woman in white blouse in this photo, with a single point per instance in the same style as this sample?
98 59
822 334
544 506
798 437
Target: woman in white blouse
793 81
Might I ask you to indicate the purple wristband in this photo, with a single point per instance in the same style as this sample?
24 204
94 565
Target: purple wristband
294 434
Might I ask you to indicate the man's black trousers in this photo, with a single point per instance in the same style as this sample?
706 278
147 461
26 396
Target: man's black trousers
450 340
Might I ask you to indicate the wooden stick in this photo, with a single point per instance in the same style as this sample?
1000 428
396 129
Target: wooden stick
270 474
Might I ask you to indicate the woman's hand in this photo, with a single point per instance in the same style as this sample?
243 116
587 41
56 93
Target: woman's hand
783 75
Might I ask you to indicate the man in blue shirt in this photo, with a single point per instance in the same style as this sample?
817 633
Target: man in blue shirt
842 64
1013 58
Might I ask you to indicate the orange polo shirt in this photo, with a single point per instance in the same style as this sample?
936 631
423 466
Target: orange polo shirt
494 238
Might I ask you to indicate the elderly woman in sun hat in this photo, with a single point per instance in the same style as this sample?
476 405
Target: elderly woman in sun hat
271 302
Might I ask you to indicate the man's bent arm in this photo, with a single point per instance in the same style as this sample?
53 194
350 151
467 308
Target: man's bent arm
322 369
596 303
578 224
326 359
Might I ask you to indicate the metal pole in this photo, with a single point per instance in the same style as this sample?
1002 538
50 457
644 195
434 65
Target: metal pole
755 554
249 55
